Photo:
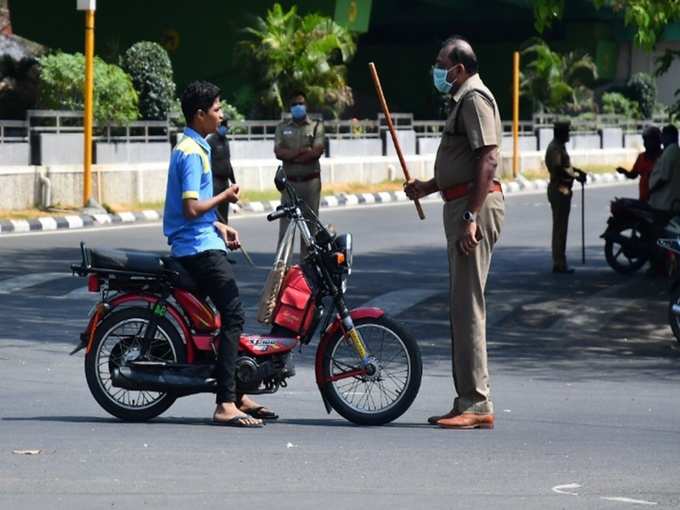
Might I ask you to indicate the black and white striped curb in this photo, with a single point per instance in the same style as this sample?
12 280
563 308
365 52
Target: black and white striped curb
73 221
521 185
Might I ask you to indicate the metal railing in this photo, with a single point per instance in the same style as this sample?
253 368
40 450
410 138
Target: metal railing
58 122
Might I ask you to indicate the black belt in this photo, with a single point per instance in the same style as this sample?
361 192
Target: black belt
305 178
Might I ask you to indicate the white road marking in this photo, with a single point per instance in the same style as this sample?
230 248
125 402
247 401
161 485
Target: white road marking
127 217
631 501
74 221
566 489
16 283
20 225
395 302
79 293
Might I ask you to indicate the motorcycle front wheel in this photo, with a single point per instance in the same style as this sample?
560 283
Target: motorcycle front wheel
625 260
387 394
117 341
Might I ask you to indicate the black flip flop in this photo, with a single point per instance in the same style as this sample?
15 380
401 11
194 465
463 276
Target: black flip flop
262 413
238 421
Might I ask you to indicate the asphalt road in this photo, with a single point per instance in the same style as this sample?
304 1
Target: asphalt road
584 374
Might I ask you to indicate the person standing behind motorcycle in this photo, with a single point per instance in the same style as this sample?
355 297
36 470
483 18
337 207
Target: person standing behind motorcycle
220 163
474 210
562 176
644 164
299 145
198 241
664 183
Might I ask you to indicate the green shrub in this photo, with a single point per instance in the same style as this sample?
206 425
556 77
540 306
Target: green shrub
616 103
148 64
642 88
62 77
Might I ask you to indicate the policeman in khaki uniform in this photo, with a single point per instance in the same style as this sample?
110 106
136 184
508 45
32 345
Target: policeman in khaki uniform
300 144
464 174
562 177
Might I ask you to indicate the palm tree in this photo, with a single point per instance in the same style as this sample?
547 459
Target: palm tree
558 83
300 53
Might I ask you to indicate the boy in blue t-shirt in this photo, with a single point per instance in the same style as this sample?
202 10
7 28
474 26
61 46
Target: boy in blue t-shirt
198 241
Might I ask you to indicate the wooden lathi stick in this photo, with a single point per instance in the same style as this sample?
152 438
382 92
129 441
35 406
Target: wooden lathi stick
390 126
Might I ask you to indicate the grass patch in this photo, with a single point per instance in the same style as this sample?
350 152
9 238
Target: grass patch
29 214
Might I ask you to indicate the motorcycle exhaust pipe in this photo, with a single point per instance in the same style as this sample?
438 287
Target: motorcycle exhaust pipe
178 379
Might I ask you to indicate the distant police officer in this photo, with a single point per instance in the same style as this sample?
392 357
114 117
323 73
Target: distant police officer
562 176
464 173
299 145
220 162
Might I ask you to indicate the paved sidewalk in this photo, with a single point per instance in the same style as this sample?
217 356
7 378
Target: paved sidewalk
45 223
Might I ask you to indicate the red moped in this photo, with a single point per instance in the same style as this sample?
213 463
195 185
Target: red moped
152 338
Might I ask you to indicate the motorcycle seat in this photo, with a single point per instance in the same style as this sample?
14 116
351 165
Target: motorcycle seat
120 260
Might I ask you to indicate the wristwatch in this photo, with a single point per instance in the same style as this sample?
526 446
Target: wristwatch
469 217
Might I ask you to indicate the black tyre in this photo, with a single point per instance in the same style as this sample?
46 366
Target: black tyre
673 319
622 259
385 396
117 341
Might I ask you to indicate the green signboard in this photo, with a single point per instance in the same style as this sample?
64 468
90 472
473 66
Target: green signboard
353 14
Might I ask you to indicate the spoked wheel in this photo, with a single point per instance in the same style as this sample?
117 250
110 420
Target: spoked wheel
673 316
118 341
385 394
622 258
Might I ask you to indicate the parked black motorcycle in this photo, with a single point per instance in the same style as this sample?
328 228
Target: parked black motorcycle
632 231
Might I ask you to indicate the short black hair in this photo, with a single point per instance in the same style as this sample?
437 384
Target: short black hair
561 128
670 132
199 95
296 94
651 132
462 53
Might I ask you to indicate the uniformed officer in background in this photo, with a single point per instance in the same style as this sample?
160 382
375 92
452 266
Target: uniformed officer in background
220 162
562 176
299 145
465 175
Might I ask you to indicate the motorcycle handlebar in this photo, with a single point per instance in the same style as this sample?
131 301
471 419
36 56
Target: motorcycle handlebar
279 213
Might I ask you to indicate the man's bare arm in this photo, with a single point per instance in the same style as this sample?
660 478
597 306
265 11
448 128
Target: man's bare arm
193 208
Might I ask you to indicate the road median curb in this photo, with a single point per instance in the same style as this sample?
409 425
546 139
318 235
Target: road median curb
75 221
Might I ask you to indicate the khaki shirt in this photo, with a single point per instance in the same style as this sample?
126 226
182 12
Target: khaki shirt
296 136
667 169
474 122
559 165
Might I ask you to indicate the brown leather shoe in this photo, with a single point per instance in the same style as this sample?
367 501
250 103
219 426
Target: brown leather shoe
468 421
432 420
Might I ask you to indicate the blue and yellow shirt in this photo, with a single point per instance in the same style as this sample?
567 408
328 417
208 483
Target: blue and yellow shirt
189 176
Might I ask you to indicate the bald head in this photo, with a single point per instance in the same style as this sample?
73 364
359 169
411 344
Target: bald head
458 51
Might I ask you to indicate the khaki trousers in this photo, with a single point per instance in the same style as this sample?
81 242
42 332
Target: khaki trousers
310 193
467 307
561 206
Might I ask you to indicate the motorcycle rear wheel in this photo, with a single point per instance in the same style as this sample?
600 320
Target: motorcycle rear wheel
373 401
673 319
617 257
117 340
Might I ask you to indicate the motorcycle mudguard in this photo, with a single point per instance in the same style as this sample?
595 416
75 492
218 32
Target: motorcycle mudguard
356 314
132 298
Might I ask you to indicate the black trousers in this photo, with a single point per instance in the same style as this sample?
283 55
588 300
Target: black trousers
215 278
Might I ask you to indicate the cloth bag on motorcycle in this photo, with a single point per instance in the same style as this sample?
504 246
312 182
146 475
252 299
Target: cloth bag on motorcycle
296 307
272 285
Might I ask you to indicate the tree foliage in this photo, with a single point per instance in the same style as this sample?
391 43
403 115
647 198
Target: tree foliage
617 103
148 64
647 17
296 52
62 78
557 83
